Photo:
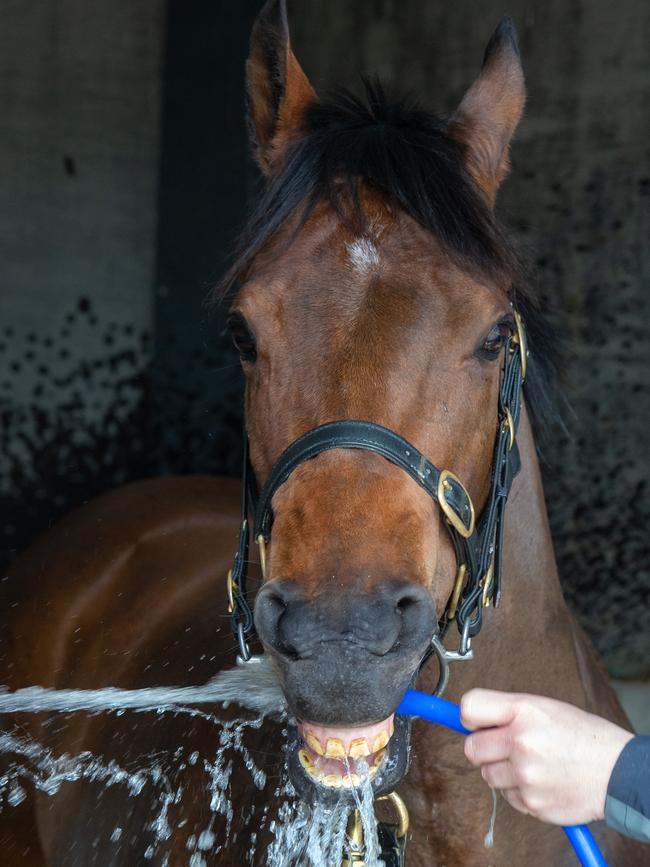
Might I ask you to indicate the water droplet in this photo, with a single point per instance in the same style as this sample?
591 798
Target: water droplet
205 841
16 796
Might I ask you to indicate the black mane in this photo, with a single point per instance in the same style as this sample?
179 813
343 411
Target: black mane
394 147
405 153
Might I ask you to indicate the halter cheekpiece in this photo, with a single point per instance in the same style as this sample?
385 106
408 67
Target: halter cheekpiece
478 543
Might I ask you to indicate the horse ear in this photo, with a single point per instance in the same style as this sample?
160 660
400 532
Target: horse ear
278 90
491 109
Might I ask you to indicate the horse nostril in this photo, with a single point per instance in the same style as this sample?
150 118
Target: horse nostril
416 613
271 607
276 603
402 605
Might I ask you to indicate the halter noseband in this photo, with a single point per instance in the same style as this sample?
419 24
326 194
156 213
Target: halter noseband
478 544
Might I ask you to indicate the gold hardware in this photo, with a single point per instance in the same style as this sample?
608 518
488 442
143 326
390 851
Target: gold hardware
511 427
520 340
402 813
455 593
486 582
354 832
231 588
450 515
261 544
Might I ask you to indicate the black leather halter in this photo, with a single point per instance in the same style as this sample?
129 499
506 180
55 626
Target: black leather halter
478 544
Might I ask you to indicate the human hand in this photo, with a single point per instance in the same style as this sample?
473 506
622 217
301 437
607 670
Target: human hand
548 758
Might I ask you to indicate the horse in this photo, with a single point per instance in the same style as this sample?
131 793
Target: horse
379 310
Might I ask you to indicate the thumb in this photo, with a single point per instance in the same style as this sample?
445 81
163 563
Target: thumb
484 708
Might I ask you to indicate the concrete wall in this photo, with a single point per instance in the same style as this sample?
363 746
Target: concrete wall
80 100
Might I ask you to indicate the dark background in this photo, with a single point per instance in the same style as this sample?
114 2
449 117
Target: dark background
124 175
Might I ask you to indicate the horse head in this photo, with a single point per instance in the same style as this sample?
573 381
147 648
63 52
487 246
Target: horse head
374 284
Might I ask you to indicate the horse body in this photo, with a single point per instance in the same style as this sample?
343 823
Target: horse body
375 285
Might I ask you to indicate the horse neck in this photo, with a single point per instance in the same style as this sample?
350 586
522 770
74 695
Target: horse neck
527 644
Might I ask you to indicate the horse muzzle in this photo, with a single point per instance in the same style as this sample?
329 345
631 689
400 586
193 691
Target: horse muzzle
345 659
345 662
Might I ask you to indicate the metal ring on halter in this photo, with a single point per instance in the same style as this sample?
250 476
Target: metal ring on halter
244 650
465 641
401 810
441 655
445 656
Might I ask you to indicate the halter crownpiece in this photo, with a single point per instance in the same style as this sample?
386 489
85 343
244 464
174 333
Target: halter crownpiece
478 543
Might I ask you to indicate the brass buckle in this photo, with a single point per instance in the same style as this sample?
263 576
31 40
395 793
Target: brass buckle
509 423
486 583
402 813
450 515
231 589
261 544
519 340
354 831
455 593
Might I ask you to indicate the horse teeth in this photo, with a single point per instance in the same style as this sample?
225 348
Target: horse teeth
333 781
378 760
391 729
314 744
305 759
335 749
359 748
314 773
380 741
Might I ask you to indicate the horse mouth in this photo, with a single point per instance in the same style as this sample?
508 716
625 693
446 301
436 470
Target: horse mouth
326 763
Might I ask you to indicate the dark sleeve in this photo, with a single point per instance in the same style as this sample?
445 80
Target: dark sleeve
627 807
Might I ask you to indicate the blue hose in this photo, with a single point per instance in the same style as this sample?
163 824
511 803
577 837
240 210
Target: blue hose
439 710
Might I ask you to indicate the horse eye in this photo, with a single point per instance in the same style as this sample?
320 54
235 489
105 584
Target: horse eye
243 338
498 336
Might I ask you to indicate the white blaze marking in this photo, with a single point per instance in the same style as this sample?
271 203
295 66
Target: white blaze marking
364 255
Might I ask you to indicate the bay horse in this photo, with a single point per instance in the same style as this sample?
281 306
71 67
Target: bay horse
375 286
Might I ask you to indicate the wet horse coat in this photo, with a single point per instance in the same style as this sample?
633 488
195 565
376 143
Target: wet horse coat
366 306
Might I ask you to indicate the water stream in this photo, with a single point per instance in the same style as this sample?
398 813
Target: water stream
300 834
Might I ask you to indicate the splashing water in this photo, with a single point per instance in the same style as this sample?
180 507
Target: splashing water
36 767
303 836
316 836
254 686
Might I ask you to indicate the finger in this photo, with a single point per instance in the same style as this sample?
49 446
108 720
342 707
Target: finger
480 708
499 775
489 745
513 797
